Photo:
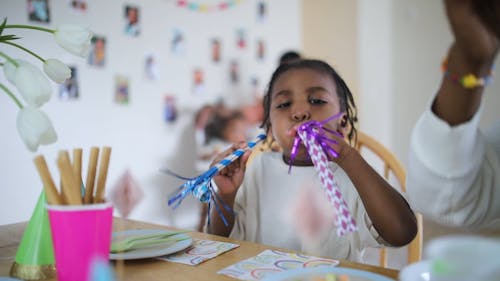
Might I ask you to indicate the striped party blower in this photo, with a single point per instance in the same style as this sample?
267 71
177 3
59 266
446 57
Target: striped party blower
313 134
201 186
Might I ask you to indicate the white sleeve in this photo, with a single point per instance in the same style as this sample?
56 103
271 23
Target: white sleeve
453 173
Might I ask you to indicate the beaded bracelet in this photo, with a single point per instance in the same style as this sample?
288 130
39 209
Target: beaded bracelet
468 81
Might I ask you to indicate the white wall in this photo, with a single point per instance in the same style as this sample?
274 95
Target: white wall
140 139
375 68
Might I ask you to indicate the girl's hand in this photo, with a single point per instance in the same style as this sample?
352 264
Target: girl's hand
342 148
230 178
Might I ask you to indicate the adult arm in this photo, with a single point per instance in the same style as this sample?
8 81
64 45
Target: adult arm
453 171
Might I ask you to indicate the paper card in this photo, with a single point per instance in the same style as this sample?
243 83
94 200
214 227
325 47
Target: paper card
270 262
200 251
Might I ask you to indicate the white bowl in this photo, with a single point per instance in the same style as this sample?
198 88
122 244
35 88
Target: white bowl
419 271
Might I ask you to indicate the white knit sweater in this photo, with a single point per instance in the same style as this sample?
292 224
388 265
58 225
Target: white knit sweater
454 172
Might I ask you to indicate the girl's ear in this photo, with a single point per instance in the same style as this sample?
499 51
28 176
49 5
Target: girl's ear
343 126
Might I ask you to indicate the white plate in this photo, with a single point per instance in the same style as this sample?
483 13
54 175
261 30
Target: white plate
419 271
151 251
317 273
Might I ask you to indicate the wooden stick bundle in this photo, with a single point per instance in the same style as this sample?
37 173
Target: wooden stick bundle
71 177
89 184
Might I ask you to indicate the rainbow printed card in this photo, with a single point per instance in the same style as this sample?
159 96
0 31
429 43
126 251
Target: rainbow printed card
270 262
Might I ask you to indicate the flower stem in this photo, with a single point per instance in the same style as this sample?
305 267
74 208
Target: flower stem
11 95
29 27
24 49
11 60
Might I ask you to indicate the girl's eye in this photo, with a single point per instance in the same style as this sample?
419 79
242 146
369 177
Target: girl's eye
317 101
283 105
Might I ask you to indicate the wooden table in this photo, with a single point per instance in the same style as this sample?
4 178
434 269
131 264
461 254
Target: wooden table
151 269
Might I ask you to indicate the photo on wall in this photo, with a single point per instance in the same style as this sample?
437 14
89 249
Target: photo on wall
198 87
151 71
122 93
216 50
261 11
68 90
255 86
170 109
132 26
177 44
39 11
78 5
241 40
261 50
97 54
234 72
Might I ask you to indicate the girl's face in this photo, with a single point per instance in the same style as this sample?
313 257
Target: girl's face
300 95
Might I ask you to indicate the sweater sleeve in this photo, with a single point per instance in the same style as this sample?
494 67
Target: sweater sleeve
453 173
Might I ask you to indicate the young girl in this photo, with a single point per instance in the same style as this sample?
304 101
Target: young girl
269 202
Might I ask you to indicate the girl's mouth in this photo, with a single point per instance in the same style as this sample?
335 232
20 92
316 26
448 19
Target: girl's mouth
292 132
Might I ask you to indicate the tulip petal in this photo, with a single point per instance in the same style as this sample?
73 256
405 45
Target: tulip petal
74 39
32 84
35 128
56 70
9 69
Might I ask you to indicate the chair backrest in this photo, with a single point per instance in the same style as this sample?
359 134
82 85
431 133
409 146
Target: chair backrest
392 164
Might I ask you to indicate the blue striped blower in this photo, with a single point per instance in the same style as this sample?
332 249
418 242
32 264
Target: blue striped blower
201 186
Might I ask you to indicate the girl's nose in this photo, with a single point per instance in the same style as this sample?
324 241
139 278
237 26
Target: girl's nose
301 115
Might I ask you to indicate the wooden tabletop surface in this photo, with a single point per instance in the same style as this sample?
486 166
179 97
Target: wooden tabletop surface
152 269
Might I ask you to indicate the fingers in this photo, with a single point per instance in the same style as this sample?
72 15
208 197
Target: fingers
475 39
236 165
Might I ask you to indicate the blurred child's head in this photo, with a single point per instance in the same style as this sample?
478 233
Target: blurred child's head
203 116
229 127
289 56
306 90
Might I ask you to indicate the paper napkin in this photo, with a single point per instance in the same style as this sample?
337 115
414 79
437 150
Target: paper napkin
270 262
200 251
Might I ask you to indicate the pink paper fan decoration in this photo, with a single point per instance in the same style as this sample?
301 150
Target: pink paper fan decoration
126 194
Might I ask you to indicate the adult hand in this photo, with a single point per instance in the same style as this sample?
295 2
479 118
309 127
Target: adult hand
475 25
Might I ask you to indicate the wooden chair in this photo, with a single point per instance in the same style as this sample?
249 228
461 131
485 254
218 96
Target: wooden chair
392 164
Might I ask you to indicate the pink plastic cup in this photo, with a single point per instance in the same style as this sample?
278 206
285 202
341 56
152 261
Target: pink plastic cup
81 234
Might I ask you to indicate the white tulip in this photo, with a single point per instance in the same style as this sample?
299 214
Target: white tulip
35 128
9 69
56 70
32 84
74 39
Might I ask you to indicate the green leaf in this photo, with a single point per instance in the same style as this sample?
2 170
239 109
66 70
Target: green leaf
4 23
9 37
